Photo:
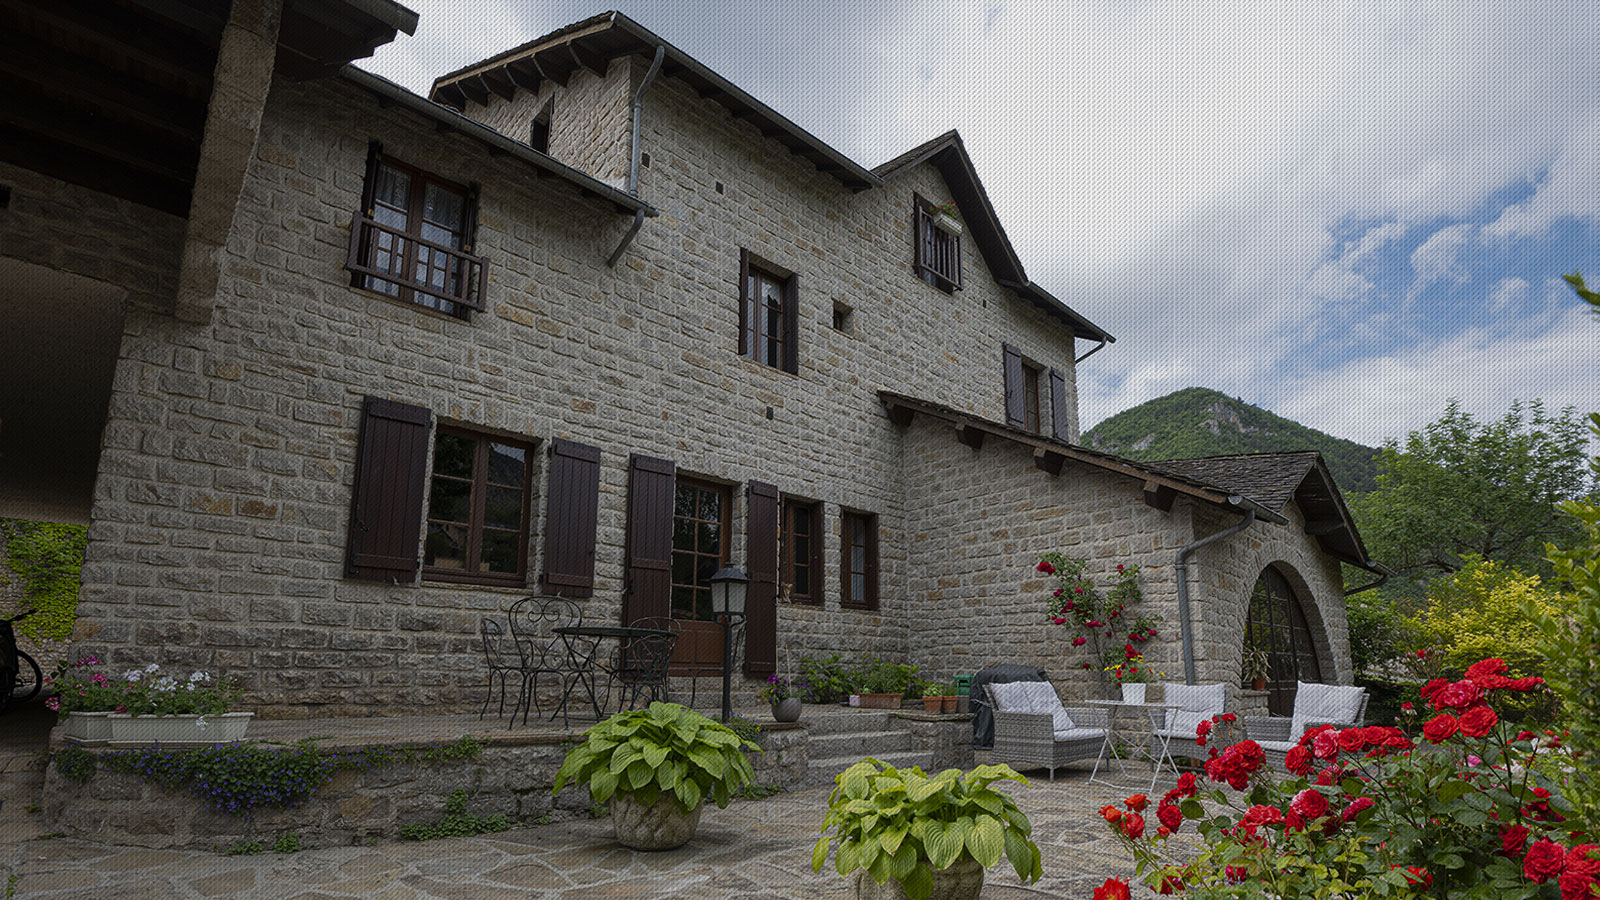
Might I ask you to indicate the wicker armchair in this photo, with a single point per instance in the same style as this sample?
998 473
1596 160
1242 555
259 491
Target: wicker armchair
1173 731
1032 728
1314 704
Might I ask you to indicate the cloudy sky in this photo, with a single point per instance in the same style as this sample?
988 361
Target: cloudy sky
1345 213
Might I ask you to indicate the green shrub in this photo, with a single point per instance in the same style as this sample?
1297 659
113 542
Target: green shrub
827 680
457 822
48 558
664 749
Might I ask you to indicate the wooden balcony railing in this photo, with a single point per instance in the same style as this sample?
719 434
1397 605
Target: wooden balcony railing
412 263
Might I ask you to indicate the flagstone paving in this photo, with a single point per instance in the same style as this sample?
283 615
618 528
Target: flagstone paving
755 849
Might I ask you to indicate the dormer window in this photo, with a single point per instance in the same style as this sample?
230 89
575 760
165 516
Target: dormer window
938 242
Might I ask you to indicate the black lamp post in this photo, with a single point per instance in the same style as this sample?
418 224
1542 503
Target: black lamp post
727 594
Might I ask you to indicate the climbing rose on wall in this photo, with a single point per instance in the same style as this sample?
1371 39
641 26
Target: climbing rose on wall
1076 602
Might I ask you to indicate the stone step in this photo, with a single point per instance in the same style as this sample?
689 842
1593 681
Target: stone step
821 772
859 743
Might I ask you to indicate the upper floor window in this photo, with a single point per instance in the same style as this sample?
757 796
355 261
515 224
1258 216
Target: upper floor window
768 314
412 239
938 241
1030 397
477 508
800 551
858 566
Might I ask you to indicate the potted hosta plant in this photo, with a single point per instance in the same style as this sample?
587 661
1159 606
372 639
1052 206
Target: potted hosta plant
145 706
784 695
904 834
656 767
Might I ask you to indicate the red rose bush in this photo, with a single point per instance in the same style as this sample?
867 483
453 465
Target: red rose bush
1464 809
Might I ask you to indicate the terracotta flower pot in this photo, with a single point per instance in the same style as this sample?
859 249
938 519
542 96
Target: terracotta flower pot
880 701
950 704
933 704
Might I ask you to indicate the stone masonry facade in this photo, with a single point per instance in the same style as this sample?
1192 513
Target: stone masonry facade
227 466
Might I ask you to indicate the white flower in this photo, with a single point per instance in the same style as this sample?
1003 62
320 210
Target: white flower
199 676
201 723
166 685
132 676
152 668
189 686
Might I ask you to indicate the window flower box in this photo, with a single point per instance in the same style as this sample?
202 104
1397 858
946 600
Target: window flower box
179 730
948 224
91 729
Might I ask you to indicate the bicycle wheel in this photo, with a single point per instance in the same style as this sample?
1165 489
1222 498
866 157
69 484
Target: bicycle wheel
29 679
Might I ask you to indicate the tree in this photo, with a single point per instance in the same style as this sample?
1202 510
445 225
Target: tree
1462 487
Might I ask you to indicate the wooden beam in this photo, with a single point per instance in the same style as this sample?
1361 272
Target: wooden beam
169 160
84 83
1325 526
1158 496
551 66
497 81
971 436
901 415
588 59
112 34
712 92
524 75
1047 460
472 88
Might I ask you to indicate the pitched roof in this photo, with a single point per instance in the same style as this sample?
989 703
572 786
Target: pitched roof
1273 480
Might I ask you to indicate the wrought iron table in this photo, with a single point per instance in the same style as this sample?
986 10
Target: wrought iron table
586 662
1111 733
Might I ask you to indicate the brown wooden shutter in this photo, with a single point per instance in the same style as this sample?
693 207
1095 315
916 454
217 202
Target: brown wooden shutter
744 302
872 562
473 275
1060 416
650 492
791 321
1012 358
923 236
761 597
956 249
386 503
571 517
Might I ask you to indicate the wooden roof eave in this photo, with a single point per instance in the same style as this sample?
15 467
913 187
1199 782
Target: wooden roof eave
1050 453
1328 530
496 142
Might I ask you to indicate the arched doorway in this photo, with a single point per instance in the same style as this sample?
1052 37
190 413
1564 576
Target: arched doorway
1277 625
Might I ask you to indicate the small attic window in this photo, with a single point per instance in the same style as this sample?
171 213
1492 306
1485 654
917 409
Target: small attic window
938 244
539 134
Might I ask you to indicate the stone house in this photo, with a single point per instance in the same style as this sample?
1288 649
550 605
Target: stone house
333 370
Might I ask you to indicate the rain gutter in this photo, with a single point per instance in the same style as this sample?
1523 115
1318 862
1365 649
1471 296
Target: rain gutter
633 164
1181 572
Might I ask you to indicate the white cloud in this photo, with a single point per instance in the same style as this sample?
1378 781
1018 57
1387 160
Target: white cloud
1435 259
1569 191
1508 295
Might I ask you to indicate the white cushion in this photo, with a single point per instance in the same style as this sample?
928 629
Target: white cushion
1196 703
1277 746
1062 721
1026 697
1317 703
1078 734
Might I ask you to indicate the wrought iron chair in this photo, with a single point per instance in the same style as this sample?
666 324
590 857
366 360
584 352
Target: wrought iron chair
504 657
736 638
1031 727
569 659
642 661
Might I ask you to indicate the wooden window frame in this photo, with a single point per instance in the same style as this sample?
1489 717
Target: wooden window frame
869 544
937 252
755 343
787 560
1285 634
476 525
1031 417
466 272
725 527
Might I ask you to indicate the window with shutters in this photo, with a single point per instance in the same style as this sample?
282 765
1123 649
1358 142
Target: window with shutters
800 551
1030 397
412 239
938 246
700 516
768 313
477 525
858 566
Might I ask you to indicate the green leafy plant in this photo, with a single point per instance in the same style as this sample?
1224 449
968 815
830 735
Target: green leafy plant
48 557
757 791
287 843
827 680
664 750
75 764
457 822
905 825
888 678
81 687
1098 618
246 848
746 729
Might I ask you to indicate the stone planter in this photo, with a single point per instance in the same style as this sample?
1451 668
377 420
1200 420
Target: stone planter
661 826
178 730
880 701
962 881
1132 692
787 710
91 729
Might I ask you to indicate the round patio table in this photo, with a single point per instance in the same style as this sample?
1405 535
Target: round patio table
1110 747
584 656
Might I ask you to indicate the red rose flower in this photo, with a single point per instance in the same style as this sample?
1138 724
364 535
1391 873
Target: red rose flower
1485 668
1419 875
1113 889
1187 785
1046 568
1476 722
1433 687
1259 815
1513 839
1440 727
1524 684
1137 802
1170 816
1110 813
1352 739
1170 884
1355 808
1079 641
1544 861
1458 695
1580 873
1298 760
1325 745
1309 804
1133 825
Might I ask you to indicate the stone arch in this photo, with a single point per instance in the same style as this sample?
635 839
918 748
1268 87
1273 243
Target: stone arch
1283 619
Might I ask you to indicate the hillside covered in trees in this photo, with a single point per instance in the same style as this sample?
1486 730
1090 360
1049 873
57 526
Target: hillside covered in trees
1198 422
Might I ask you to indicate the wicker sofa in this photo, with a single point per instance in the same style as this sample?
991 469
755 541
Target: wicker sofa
1032 728
1314 704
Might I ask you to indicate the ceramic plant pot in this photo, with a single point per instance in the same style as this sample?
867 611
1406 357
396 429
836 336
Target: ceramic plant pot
787 710
90 728
1132 693
662 825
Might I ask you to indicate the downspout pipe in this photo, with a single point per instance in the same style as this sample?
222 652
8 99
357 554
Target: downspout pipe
1377 569
1181 571
633 162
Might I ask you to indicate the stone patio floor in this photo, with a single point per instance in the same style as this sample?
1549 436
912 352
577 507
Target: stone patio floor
756 849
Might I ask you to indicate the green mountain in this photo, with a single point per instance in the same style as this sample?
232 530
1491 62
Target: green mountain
1197 422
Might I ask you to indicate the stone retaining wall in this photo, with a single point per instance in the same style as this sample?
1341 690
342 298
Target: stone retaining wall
512 777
